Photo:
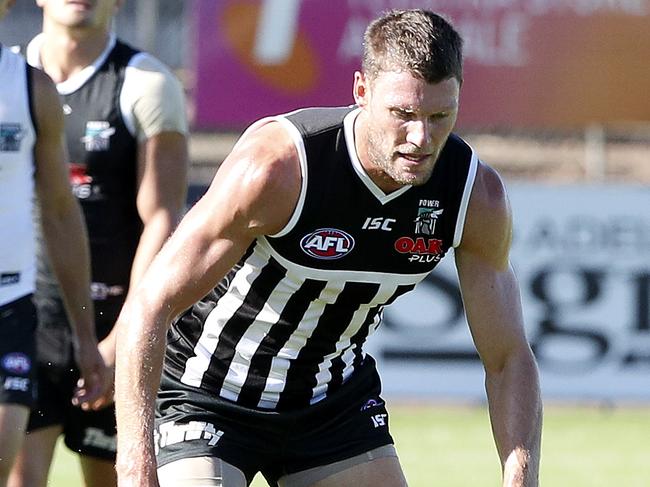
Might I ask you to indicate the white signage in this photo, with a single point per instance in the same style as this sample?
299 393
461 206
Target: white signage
582 256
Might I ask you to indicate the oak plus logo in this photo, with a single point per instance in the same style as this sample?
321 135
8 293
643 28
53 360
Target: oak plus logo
327 244
420 249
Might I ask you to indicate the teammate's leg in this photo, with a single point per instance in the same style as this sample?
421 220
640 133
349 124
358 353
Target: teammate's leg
17 354
98 472
376 467
13 421
93 435
32 465
200 471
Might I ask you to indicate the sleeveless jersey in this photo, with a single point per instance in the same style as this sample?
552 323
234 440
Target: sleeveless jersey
17 138
103 175
286 326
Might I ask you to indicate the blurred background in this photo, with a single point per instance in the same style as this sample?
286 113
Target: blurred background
555 97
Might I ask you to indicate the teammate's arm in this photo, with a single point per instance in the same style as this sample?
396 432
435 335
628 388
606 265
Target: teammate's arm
158 110
492 304
253 193
157 103
162 168
65 235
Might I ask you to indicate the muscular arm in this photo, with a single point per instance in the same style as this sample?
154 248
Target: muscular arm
154 100
157 103
492 304
64 233
162 175
254 193
163 162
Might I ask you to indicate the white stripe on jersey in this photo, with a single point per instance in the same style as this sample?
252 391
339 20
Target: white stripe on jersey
247 346
464 202
344 349
324 375
280 365
197 365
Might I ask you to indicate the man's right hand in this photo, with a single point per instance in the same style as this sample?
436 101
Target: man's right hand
96 378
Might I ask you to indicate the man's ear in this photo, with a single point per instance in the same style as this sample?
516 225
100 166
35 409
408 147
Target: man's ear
361 90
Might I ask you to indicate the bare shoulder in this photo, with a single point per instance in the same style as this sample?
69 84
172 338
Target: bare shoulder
270 151
261 177
489 193
488 226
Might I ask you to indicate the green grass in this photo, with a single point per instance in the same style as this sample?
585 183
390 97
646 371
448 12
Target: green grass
452 447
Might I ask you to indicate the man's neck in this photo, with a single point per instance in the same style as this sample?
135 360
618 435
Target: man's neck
66 51
377 175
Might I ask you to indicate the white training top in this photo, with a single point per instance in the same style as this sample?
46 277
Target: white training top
17 137
152 99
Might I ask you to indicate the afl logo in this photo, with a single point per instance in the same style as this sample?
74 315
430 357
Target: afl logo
17 363
327 243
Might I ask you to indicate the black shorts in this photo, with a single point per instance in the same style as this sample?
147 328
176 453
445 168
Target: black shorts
17 352
54 335
90 433
192 423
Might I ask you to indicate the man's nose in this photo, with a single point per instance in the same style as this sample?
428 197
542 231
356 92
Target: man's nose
419 133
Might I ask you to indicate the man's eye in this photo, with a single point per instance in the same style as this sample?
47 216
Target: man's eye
403 115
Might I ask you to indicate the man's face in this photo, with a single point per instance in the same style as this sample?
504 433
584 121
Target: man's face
405 126
80 13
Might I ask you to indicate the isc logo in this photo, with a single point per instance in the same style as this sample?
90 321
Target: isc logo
378 223
327 243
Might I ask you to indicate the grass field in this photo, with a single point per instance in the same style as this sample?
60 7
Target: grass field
452 447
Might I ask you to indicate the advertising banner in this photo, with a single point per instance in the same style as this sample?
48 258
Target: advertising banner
582 258
529 63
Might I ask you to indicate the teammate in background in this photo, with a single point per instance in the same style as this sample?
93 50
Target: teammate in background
126 131
275 278
32 161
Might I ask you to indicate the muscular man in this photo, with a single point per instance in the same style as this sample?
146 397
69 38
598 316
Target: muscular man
126 132
317 220
32 161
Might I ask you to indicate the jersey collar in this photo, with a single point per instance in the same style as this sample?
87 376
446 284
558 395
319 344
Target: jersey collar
348 124
73 83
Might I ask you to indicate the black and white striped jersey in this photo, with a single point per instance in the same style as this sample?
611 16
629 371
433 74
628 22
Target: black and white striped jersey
287 325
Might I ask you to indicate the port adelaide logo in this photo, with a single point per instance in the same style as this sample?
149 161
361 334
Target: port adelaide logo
422 248
98 135
327 244
11 135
